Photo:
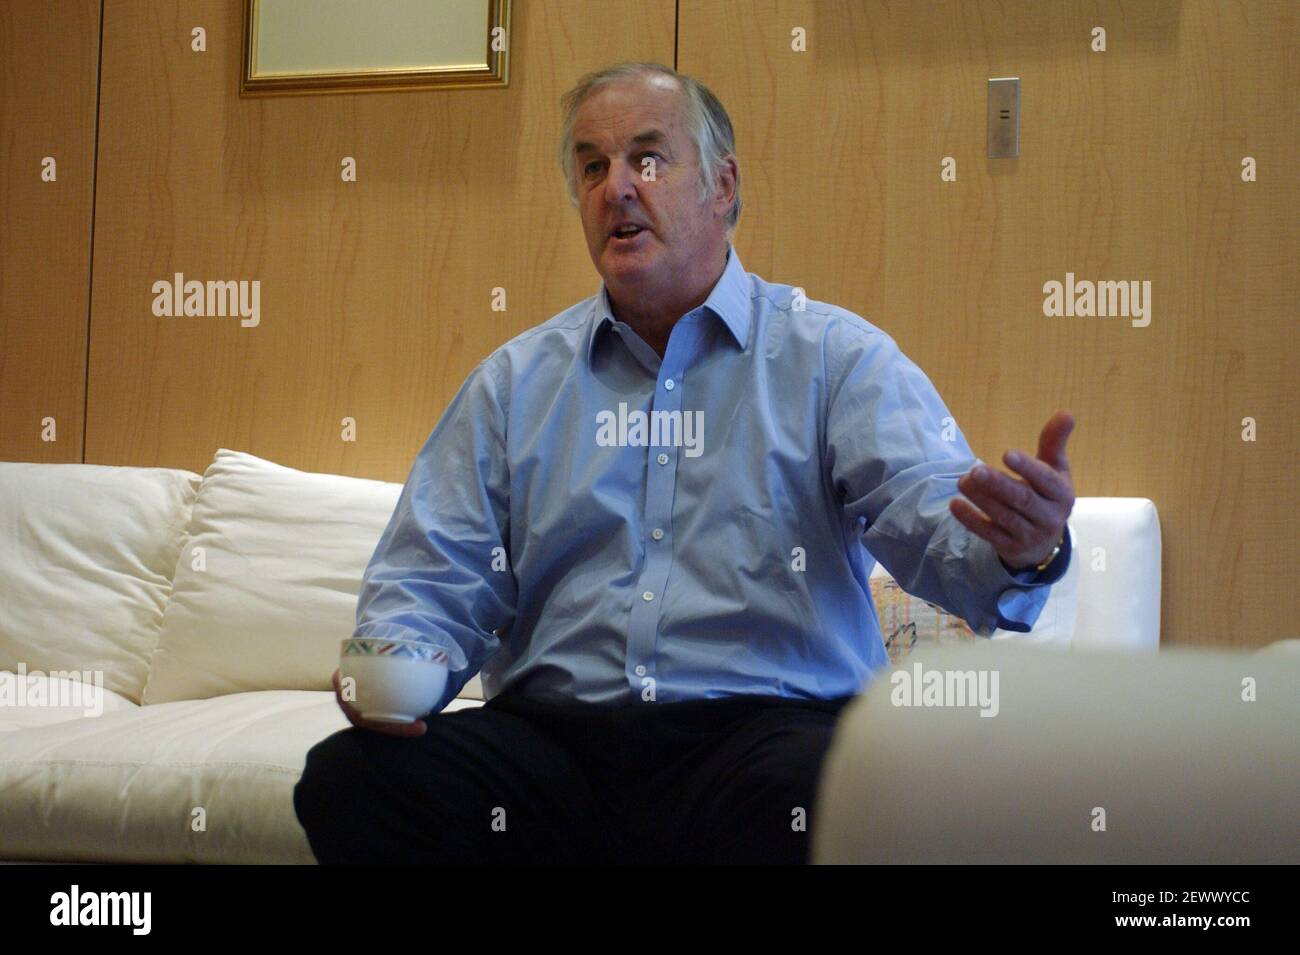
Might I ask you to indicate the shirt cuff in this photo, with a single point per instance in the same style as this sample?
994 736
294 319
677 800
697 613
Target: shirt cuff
1020 595
1049 574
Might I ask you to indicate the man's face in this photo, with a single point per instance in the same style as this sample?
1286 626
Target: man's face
615 131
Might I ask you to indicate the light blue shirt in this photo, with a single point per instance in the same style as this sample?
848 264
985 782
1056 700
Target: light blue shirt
588 522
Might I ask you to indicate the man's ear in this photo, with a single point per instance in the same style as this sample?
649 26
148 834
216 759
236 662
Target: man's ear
727 177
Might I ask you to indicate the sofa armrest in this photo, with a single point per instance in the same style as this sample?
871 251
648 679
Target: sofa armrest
1184 769
1117 543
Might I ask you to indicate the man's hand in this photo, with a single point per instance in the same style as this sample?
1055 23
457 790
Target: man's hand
1023 520
379 726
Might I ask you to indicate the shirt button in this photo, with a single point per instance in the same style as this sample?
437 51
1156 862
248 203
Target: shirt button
663 458
647 596
657 533
669 385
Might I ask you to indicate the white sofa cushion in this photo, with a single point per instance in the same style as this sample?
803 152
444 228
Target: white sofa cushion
125 787
86 559
282 554
267 585
39 699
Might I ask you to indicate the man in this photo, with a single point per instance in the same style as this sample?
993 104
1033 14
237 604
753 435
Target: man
644 521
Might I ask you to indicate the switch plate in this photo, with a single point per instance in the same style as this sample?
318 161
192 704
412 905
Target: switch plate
1004 117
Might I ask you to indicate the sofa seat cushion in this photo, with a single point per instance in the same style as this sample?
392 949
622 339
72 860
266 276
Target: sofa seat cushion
192 781
39 699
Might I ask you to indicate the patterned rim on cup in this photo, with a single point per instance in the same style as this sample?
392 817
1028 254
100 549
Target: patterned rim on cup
407 649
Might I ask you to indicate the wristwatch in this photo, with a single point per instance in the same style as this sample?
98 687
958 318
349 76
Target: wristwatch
1052 556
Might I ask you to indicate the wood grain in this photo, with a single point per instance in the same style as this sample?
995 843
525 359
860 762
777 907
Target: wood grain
1129 169
49 62
376 295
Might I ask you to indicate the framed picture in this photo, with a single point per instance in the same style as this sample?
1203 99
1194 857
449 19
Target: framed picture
303 47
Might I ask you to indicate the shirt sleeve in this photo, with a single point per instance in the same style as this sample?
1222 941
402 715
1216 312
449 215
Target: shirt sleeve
441 572
894 454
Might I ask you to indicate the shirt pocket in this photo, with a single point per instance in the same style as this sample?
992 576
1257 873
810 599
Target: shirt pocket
767 558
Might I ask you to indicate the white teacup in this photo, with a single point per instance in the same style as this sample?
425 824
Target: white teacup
395 681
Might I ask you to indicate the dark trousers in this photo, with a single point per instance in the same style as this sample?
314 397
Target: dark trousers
729 780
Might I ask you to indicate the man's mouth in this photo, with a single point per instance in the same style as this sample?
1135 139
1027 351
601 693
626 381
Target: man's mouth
628 238
626 229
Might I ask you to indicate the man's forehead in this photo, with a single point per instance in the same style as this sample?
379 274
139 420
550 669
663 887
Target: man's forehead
637 113
651 135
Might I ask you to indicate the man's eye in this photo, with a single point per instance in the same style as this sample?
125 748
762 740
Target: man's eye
587 168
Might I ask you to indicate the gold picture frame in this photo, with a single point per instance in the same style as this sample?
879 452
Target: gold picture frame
310 47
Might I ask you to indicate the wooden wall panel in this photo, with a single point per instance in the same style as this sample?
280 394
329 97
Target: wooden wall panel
1129 169
49 63
375 295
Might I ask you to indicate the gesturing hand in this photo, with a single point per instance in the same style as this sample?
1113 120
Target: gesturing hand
1023 520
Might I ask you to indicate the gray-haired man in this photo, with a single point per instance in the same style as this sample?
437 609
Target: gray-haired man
691 474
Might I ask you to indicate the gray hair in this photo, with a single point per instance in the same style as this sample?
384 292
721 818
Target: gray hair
705 119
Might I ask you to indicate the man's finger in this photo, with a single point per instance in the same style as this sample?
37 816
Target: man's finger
1008 492
975 522
1051 442
1018 526
1042 477
395 729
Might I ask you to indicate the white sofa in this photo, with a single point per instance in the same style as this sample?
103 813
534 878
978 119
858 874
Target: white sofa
211 607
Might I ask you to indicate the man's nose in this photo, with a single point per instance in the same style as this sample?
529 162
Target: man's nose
620 184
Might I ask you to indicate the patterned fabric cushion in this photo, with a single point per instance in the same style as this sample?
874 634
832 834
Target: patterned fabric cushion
906 621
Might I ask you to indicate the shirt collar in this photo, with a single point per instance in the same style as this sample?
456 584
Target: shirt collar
729 300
